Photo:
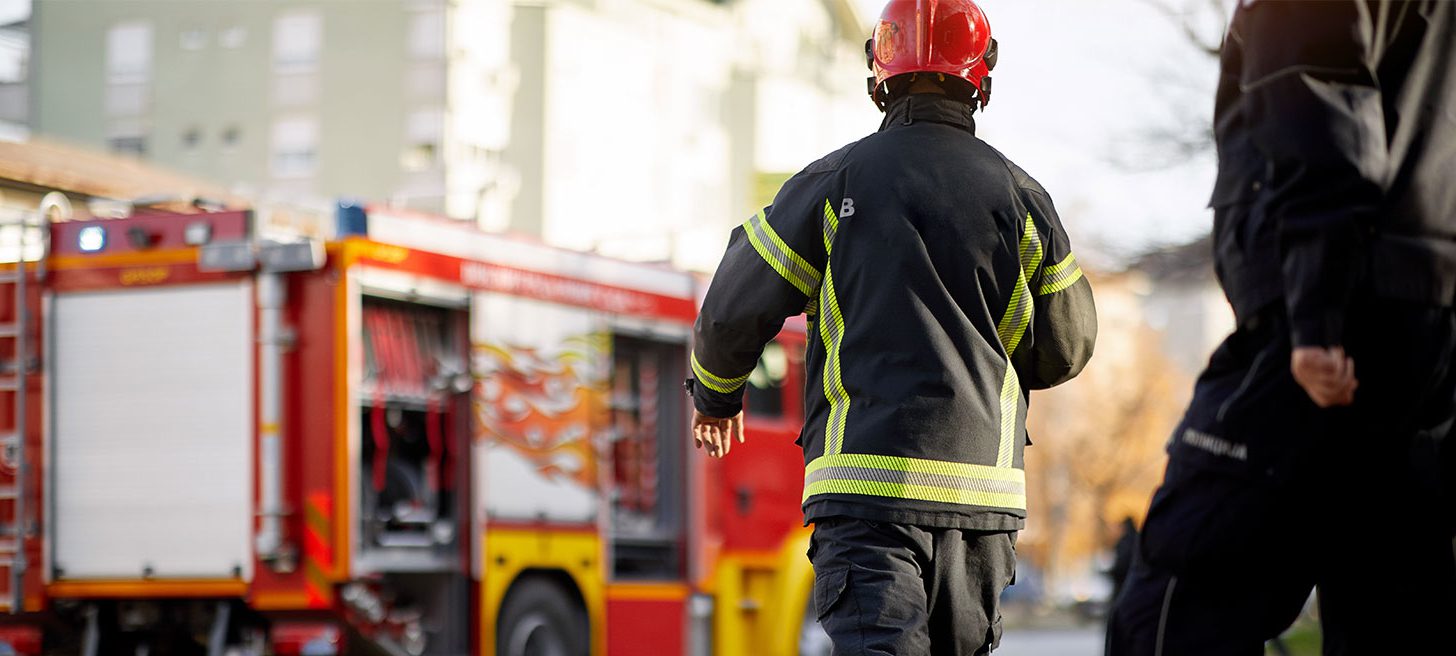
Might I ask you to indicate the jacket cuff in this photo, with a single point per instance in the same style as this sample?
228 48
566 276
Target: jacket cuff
1323 330
714 404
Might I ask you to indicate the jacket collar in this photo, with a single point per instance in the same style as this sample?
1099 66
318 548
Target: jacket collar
929 107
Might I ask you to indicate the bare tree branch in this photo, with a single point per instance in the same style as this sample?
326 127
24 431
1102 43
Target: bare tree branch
1184 131
1186 16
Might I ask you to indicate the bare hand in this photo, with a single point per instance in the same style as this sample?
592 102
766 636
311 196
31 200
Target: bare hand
1326 374
717 434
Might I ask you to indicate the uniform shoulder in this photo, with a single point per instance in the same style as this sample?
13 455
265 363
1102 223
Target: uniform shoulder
831 162
808 186
1019 176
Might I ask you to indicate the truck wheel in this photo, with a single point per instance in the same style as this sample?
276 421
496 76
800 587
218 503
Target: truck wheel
540 619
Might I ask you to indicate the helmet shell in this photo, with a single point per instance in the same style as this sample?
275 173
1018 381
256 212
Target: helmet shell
951 37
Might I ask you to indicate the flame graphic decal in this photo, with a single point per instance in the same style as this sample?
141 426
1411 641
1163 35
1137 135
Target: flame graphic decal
549 407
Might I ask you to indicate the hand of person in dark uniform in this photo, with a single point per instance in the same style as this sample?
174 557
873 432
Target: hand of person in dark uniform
716 434
1326 374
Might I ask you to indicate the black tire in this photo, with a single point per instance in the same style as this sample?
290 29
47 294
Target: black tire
539 618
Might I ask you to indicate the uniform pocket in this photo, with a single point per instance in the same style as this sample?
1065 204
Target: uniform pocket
829 588
1011 561
1245 406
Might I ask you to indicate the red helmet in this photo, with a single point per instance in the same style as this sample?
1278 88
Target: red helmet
951 37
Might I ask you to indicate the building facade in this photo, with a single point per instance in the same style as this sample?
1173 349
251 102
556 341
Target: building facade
14 72
638 128
276 99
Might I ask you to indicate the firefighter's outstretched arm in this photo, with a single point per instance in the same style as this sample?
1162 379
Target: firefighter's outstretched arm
1316 115
770 272
1064 317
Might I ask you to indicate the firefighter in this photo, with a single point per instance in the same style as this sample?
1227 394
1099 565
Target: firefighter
1310 456
939 288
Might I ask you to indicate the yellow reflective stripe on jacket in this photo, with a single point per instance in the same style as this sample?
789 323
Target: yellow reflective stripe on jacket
715 382
780 257
1067 263
1060 276
1018 313
831 330
831 227
1011 330
1010 403
914 478
1030 249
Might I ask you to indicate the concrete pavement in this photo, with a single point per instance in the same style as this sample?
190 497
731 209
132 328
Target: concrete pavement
1080 641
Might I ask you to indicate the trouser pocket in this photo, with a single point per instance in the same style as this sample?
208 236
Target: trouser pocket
829 590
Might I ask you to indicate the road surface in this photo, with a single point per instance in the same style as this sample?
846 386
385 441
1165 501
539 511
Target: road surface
1083 641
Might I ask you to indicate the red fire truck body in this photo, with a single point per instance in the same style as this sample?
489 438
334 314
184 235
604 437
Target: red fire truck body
379 433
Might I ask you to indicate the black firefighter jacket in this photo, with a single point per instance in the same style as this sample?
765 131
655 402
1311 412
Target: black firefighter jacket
1336 129
939 286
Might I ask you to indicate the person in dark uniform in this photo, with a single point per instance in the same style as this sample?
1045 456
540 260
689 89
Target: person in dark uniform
1122 556
1311 454
940 287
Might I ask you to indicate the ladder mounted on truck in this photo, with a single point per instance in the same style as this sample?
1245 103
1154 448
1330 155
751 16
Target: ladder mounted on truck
24 245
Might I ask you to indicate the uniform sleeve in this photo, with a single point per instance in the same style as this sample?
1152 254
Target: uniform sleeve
771 271
1064 318
1315 114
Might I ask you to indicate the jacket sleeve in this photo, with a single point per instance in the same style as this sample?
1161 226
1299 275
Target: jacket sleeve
1315 113
1064 317
771 271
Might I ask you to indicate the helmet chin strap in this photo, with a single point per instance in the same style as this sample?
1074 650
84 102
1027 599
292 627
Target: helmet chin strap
870 83
875 95
978 99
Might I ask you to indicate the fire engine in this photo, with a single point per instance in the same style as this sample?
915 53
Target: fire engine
372 431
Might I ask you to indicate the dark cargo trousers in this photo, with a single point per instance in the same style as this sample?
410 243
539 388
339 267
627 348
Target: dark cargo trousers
882 588
1267 497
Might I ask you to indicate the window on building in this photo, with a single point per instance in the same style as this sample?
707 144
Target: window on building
424 131
193 40
127 99
14 53
298 39
233 37
427 34
191 138
232 135
295 147
129 52
130 145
